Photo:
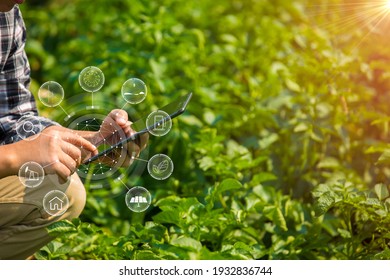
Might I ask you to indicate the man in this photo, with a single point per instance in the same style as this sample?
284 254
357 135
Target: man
57 149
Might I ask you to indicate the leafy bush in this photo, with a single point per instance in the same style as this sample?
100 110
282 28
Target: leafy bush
277 156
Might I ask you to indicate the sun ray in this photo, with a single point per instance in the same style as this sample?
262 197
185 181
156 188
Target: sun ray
347 18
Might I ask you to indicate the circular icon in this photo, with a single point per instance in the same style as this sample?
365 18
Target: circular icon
55 203
28 128
31 174
91 79
159 123
160 167
134 91
138 199
51 94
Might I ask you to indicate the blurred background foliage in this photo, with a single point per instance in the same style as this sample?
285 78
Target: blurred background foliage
283 151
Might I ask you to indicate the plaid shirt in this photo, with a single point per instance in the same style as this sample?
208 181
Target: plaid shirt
16 101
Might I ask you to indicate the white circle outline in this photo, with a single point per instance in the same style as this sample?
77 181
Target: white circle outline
136 102
26 165
151 171
148 199
65 198
20 125
152 131
58 102
96 69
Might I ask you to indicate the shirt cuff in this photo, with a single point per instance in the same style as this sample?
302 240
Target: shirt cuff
26 126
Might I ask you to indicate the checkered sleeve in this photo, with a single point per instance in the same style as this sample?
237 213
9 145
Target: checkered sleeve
17 103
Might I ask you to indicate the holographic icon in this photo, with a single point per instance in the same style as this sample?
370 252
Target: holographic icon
160 167
134 91
108 132
55 203
28 128
138 199
91 79
159 122
31 174
51 94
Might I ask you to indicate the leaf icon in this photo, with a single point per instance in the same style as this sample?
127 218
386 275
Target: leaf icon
161 167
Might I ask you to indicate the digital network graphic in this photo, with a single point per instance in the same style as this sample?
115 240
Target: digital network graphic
111 167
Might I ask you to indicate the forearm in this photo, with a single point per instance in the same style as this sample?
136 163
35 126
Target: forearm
10 160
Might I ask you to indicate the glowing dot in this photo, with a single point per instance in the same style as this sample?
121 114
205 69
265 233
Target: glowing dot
387 5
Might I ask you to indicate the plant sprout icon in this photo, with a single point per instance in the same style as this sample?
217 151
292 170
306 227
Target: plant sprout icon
161 167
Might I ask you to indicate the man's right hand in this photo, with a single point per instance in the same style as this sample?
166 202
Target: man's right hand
57 149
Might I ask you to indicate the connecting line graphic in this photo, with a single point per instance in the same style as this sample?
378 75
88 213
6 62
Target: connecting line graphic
140 159
133 158
124 106
50 164
64 111
119 178
92 99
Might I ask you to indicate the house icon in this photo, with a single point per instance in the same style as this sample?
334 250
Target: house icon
56 204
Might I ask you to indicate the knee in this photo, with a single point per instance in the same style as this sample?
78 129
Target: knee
77 197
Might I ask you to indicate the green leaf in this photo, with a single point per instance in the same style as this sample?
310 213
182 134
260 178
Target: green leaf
206 163
381 191
384 158
329 162
187 242
145 255
228 184
61 227
384 255
168 216
344 233
291 85
264 177
279 220
324 203
320 190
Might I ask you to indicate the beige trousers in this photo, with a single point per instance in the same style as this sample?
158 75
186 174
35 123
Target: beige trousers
23 219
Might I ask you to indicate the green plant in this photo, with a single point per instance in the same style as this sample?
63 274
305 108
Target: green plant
277 155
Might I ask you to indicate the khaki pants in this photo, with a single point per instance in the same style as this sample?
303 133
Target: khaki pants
23 220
